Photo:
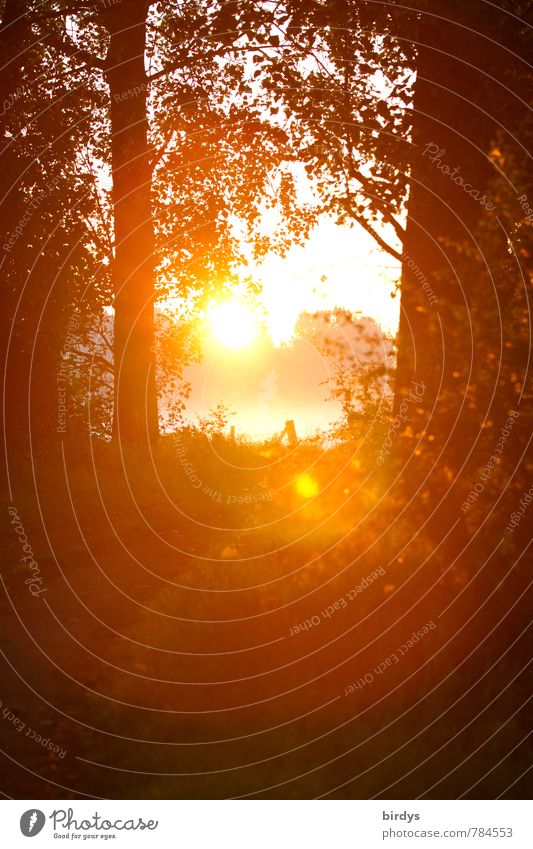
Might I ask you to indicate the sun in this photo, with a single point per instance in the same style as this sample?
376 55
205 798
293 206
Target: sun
233 324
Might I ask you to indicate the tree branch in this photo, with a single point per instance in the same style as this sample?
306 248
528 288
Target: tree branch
160 152
368 186
375 235
362 221
103 220
95 358
63 44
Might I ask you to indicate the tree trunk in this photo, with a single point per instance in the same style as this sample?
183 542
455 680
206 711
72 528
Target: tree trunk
15 342
459 107
135 413
458 110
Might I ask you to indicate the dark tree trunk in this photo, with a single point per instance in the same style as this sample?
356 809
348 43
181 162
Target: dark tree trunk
15 343
460 107
454 124
135 415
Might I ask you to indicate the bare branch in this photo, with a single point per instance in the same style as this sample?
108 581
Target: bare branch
95 358
63 44
369 190
103 220
375 235
160 152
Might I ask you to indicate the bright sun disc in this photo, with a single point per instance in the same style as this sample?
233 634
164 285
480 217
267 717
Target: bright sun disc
233 324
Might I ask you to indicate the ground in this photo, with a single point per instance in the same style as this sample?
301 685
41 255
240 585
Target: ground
251 621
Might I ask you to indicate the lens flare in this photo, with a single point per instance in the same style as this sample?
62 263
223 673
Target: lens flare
306 486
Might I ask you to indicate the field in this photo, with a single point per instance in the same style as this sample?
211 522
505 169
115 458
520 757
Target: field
250 620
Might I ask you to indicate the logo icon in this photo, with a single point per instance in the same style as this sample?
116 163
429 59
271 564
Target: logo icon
268 387
32 822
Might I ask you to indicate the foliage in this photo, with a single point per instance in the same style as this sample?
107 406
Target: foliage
362 360
343 77
216 421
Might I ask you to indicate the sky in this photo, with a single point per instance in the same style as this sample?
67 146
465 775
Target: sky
276 375
340 266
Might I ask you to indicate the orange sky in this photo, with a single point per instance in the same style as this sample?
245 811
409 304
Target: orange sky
275 376
338 267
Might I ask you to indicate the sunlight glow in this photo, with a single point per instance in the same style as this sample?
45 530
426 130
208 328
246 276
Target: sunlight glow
337 267
306 486
233 324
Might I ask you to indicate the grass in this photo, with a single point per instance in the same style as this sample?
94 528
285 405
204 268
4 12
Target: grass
167 644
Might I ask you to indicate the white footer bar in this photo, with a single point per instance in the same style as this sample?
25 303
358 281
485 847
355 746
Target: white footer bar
268 824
